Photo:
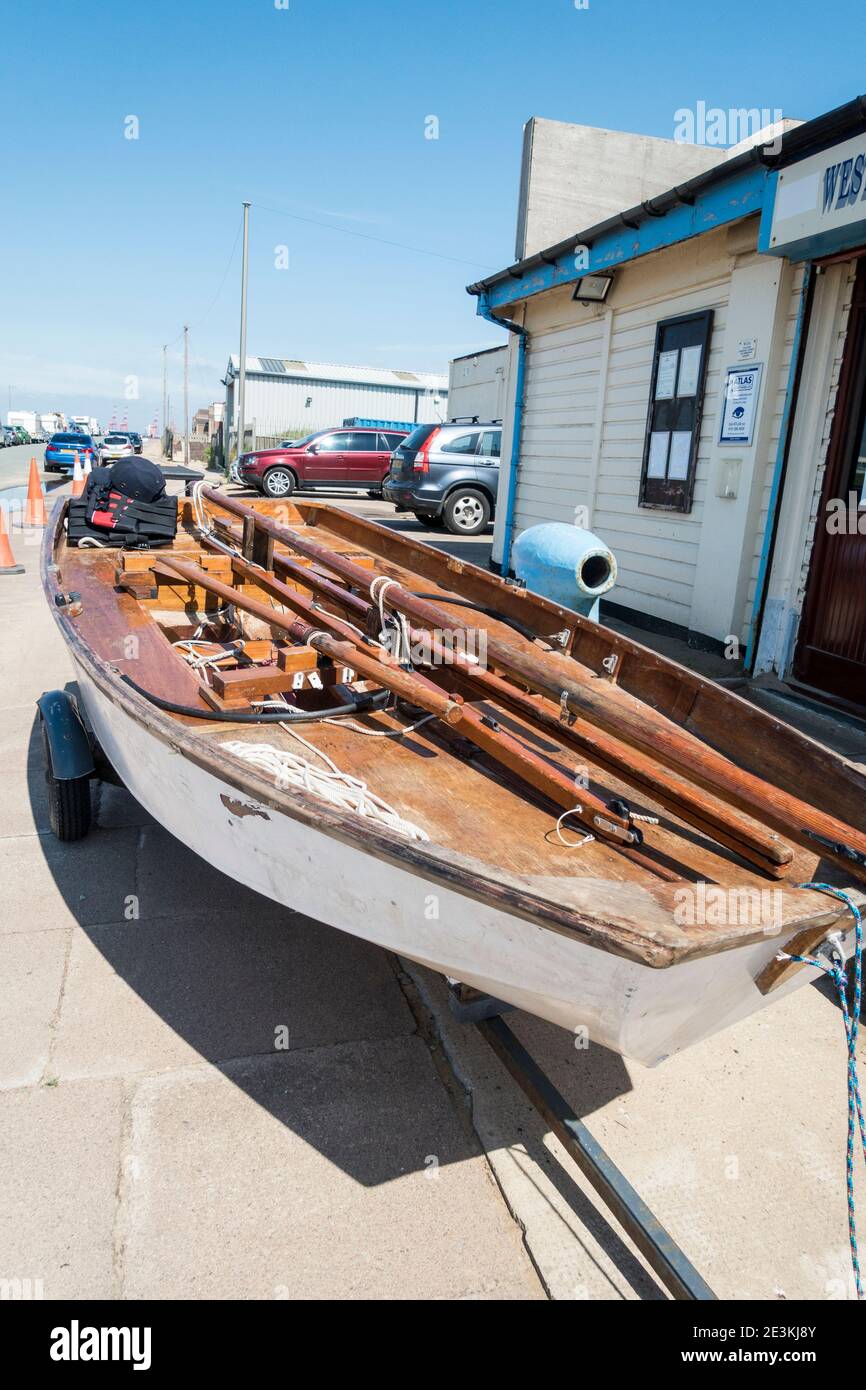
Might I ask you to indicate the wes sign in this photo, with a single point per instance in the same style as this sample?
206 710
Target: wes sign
819 205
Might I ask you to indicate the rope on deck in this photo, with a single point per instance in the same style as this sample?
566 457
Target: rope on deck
328 783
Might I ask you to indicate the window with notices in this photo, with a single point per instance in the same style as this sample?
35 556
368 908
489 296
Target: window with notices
674 414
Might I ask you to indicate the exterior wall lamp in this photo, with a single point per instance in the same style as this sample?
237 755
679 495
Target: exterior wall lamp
592 289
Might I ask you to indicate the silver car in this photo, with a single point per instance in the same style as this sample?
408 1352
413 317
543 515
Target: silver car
116 446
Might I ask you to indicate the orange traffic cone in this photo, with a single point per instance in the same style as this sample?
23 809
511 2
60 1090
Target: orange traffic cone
7 559
77 477
34 510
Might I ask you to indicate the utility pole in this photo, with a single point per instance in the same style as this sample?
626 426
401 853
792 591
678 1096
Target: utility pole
242 378
186 394
164 387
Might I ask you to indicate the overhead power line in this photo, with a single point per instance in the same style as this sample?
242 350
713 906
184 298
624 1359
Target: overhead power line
368 236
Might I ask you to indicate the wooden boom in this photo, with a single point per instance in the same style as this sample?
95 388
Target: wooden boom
603 704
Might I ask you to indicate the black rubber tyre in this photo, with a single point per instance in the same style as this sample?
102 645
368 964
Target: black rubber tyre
69 806
466 512
431 521
279 482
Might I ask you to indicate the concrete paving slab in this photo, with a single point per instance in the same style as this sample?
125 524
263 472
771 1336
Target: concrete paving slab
47 884
141 996
23 808
19 744
174 881
31 967
60 1150
737 1145
339 1173
115 808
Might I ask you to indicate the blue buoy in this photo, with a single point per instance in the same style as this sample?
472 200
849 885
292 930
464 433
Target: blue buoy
566 564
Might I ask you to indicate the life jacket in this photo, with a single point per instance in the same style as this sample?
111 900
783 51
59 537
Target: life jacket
124 504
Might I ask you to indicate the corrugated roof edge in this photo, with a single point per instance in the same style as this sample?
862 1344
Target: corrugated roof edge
795 144
330 371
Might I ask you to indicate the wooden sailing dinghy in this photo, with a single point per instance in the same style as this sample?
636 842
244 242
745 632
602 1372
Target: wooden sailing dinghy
407 747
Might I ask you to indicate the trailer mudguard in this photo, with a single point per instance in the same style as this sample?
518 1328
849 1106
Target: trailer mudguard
68 744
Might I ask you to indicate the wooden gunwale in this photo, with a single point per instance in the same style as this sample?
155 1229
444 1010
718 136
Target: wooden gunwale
660 948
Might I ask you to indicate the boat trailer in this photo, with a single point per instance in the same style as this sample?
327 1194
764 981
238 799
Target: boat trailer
656 1244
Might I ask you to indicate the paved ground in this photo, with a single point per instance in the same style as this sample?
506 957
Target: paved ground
154 1143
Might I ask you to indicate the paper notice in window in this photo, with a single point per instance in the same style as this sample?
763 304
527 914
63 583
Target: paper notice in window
690 372
666 376
681 448
657 464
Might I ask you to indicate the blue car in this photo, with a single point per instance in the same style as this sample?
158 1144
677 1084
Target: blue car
61 449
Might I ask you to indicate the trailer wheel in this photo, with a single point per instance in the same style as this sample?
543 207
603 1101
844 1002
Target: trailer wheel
69 807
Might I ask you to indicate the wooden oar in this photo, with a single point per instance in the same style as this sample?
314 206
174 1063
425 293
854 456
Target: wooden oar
356 652
697 807
605 705
481 730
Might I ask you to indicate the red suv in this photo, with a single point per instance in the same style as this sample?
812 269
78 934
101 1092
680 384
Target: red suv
331 458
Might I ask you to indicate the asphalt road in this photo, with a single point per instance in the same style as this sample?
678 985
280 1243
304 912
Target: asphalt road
15 463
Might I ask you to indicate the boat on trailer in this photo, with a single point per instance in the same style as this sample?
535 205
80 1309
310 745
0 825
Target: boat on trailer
398 743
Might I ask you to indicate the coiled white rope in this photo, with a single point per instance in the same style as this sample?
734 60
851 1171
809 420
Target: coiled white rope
397 623
203 662
329 784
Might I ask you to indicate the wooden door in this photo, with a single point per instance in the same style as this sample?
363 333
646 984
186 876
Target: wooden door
831 647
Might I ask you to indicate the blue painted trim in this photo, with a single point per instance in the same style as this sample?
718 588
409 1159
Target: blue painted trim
828 243
766 228
513 463
741 195
778 470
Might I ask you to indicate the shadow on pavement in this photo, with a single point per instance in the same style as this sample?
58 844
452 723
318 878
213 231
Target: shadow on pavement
224 968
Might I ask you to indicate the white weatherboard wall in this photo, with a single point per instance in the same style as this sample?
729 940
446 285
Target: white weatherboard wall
585 410
759 307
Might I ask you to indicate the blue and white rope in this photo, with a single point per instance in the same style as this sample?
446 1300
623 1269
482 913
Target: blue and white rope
851 1020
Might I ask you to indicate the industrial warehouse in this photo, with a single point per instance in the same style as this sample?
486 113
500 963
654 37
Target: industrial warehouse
287 400
688 373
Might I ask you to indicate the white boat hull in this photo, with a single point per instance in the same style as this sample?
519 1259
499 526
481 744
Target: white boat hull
642 1013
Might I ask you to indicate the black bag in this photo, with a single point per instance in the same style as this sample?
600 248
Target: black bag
124 505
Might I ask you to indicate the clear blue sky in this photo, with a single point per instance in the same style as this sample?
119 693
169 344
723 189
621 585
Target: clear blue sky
107 245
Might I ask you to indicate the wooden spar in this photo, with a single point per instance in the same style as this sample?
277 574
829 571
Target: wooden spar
753 842
546 778
614 710
393 677
722 823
